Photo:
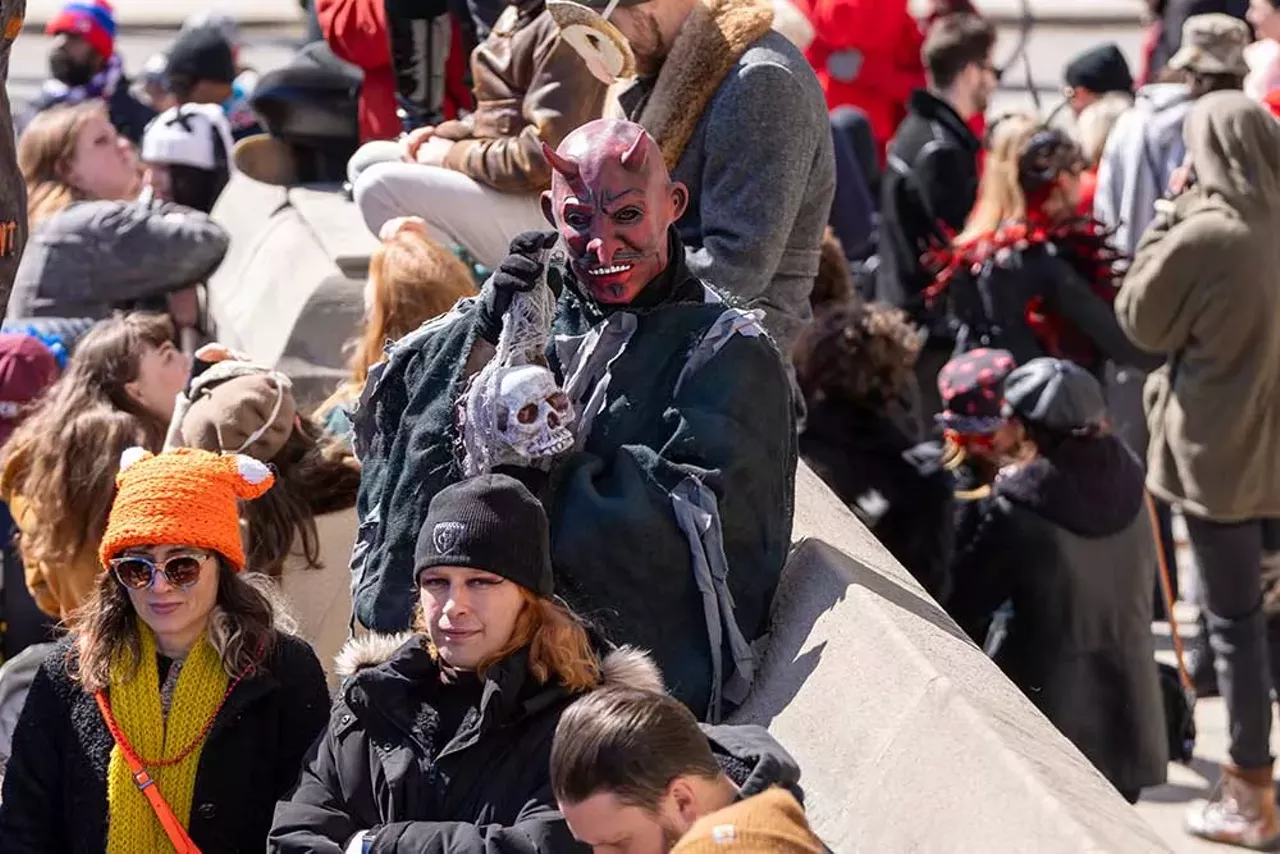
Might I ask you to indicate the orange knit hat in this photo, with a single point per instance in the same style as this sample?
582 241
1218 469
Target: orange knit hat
182 497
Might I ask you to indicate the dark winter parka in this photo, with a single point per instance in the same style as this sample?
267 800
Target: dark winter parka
898 489
1067 539
55 786
671 518
385 767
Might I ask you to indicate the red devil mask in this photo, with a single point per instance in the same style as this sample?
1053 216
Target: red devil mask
613 202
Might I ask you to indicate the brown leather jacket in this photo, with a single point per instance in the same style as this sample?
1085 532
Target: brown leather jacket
530 88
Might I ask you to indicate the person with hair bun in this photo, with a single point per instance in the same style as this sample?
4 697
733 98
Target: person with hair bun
299 533
180 707
1028 274
855 364
440 740
1065 538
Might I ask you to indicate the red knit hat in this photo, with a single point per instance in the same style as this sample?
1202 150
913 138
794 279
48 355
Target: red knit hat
183 497
92 20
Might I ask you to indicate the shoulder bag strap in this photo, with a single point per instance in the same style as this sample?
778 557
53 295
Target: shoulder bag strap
172 827
1166 586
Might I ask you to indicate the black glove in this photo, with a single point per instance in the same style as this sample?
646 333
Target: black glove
519 273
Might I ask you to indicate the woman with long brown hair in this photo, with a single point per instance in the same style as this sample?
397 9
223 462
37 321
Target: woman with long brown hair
1028 274
57 471
95 244
461 713
179 708
411 280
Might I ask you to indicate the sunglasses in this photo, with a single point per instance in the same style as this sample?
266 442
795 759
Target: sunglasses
138 572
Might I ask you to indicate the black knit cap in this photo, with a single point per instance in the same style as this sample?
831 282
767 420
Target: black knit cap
202 53
1100 70
492 523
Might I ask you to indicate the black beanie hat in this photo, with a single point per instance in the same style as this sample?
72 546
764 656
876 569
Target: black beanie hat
202 53
1100 70
492 523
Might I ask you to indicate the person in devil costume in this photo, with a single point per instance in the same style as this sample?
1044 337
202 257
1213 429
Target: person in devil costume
671 514
1028 274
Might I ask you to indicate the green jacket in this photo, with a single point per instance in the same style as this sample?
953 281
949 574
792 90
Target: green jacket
1204 290
671 521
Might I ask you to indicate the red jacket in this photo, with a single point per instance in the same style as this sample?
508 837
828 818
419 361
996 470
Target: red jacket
888 40
356 31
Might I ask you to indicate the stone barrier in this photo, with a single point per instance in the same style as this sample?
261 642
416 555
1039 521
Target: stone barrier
909 738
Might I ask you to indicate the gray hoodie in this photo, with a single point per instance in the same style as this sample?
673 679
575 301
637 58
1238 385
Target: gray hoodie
1143 150
13 194
95 257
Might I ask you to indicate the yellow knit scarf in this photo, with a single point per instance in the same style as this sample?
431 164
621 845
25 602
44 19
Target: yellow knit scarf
135 703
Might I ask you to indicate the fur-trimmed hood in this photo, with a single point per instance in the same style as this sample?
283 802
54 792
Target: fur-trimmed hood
1091 487
624 665
712 40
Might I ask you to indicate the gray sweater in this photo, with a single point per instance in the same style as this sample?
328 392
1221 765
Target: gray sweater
761 176
95 257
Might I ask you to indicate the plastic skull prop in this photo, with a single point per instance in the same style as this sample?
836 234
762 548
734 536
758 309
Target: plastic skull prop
532 415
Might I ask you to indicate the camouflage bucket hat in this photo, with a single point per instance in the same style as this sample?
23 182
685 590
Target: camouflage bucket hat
1213 44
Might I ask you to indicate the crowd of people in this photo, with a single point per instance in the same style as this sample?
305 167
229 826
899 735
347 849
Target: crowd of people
635 262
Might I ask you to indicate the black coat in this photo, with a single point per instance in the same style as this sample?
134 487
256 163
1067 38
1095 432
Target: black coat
55 786
1068 541
872 463
383 766
990 309
931 181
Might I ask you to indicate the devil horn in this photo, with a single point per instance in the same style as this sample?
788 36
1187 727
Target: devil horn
563 165
636 154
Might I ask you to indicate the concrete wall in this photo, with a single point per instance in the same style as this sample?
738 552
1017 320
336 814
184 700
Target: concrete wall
909 738
291 289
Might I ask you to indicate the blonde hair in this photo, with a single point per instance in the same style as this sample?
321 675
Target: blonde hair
1000 196
559 646
1096 121
413 279
45 151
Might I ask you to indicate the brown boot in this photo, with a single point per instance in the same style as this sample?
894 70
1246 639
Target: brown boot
1242 811
267 159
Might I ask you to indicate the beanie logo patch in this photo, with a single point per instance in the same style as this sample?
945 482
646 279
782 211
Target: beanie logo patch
445 535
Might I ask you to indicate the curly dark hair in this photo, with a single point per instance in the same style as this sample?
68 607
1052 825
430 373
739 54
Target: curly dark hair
857 352
834 282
